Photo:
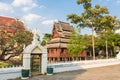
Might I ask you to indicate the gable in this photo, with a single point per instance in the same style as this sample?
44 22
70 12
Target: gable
55 33
36 50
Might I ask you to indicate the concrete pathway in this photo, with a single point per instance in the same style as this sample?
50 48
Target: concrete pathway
102 73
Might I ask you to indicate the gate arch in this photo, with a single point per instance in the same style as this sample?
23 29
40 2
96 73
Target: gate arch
35 48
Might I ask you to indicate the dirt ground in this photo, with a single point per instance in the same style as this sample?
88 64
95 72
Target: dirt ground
101 73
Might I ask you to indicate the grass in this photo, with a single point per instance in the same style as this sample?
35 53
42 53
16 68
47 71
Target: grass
4 64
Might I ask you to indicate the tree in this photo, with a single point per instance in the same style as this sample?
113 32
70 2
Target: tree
109 25
46 38
43 43
117 40
92 17
11 45
76 43
88 44
104 41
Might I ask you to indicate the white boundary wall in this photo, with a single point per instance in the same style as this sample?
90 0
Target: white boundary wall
10 72
15 72
77 65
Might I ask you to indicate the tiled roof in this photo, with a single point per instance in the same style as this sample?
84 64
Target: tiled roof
10 23
5 20
64 30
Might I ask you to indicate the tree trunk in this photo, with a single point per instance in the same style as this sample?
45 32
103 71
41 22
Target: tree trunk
93 45
106 49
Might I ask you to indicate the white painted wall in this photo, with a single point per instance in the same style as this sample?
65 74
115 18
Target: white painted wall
118 55
44 63
15 72
26 61
77 65
10 73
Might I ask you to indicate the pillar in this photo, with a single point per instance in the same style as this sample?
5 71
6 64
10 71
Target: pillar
44 63
26 61
58 59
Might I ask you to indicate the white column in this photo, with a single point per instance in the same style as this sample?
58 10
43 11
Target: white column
26 60
44 63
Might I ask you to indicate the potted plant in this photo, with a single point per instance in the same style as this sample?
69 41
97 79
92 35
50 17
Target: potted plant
49 71
25 73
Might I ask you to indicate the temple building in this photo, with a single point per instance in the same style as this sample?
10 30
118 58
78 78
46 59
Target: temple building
57 46
11 24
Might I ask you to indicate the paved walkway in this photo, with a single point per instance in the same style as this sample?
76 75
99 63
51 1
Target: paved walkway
102 73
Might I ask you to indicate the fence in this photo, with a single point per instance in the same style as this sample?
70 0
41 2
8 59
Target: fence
77 65
10 72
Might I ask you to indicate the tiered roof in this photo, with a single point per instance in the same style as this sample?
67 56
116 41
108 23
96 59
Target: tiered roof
63 30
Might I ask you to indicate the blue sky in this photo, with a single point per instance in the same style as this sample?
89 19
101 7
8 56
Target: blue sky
41 14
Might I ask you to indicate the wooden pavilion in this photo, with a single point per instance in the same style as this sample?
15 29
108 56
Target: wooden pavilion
57 46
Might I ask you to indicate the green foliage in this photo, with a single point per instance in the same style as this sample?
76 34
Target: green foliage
88 41
11 45
83 1
86 3
90 17
76 44
103 36
97 18
108 23
46 38
116 40
23 37
43 43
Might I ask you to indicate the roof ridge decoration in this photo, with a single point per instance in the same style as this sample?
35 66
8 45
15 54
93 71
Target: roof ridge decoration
35 37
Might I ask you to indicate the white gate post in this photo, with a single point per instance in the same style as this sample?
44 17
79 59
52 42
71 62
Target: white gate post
26 60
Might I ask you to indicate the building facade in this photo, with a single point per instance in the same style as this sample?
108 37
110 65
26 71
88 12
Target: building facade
57 46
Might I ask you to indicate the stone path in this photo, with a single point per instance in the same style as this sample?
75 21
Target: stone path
102 73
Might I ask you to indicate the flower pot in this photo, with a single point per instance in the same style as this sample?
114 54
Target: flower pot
25 73
49 71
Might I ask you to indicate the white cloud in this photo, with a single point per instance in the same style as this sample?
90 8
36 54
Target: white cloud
26 9
26 5
6 8
30 18
49 22
18 3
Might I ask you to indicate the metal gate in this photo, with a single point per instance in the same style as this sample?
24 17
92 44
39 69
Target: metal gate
36 63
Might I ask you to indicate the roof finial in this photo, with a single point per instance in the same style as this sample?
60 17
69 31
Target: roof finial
35 36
